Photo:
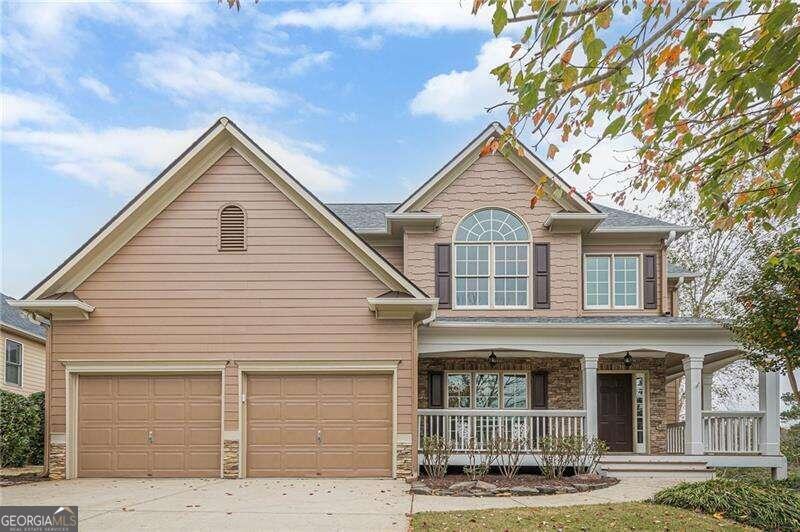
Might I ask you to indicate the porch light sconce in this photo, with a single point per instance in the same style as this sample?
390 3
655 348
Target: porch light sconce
492 359
627 360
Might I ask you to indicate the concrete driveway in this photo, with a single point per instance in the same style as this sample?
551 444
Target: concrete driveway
216 504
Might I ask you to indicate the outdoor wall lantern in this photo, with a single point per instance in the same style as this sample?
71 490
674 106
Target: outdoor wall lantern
628 360
492 359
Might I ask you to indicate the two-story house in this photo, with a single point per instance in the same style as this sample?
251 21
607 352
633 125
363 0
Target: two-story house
227 323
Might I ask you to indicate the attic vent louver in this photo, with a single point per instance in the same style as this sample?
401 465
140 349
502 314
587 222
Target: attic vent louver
232 229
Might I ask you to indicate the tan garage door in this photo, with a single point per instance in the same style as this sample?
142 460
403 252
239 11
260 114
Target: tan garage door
319 425
149 426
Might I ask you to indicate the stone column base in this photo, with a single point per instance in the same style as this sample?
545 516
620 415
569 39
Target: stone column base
230 459
404 466
58 461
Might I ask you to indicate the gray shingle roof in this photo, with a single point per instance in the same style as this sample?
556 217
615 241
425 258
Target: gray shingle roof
363 216
587 320
15 318
370 216
619 218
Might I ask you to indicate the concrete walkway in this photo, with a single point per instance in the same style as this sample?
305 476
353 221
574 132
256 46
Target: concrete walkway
275 504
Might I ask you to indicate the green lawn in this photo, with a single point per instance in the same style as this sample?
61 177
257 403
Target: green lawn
624 516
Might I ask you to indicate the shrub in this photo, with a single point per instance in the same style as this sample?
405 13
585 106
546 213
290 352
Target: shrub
437 451
480 460
37 447
510 451
588 454
790 445
764 505
557 454
20 422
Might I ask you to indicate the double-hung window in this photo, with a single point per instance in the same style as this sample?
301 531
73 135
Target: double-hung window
611 281
13 363
491 261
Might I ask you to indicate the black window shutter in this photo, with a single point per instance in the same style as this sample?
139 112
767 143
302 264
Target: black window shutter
435 389
539 390
443 275
649 281
541 275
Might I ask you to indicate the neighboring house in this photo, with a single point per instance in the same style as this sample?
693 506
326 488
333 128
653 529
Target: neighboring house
23 351
227 323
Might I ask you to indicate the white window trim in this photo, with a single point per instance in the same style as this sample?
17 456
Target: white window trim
500 374
611 305
491 276
21 364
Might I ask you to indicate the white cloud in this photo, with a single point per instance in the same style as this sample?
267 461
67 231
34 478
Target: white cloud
373 42
100 89
393 17
307 61
465 94
187 75
39 37
25 108
123 159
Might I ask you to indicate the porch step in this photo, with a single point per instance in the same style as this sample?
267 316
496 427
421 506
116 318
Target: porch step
657 466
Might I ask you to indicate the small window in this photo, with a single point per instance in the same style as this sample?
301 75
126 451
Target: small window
13 362
232 229
515 390
611 281
459 386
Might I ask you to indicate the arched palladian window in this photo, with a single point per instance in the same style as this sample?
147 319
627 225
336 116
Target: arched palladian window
491 260
232 228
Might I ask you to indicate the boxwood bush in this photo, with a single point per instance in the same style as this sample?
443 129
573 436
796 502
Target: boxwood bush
766 505
21 429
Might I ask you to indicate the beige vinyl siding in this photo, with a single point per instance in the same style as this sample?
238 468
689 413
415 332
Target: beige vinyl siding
393 253
629 249
295 293
33 357
493 181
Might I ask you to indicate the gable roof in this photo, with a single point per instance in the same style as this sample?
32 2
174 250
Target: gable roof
529 164
221 137
15 319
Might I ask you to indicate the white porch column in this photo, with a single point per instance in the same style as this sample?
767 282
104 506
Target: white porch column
708 378
589 364
769 386
693 373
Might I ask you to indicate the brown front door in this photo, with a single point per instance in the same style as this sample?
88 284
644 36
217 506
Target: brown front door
319 425
149 426
615 411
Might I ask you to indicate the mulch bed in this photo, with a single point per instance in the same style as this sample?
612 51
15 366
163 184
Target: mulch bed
14 480
459 485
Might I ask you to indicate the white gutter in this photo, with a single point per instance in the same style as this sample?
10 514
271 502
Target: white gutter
608 325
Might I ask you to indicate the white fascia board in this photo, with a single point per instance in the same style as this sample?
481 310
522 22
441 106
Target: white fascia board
385 307
682 275
666 229
610 325
22 332
582 221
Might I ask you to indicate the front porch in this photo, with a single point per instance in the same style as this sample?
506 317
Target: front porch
471 396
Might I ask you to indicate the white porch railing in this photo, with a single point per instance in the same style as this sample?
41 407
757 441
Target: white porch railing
676 437
723 433
732 432
463 426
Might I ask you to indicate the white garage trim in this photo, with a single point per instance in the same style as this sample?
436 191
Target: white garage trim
74 368
314 367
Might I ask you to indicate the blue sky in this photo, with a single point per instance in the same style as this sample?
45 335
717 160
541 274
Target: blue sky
362 102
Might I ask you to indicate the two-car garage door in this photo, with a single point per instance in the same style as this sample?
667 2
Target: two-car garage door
149 426
295 425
